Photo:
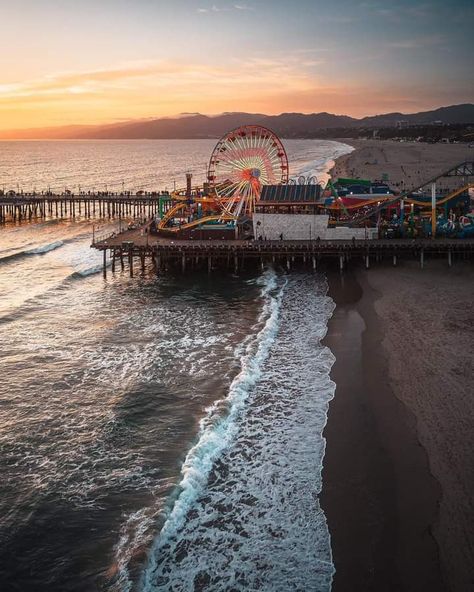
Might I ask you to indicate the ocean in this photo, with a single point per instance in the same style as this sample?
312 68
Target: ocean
156 433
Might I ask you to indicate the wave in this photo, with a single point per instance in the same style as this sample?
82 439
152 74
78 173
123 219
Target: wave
85 272
45 248
217 430
35 251
320 167
256 522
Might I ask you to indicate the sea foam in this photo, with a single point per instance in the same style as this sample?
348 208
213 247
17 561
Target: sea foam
216 431
248 517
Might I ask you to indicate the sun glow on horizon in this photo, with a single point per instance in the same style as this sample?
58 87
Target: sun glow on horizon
79 67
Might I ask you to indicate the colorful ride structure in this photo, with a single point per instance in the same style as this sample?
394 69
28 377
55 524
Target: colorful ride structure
421 211
251 157
242 162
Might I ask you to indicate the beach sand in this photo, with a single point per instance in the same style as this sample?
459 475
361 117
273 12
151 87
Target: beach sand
398 471
406 164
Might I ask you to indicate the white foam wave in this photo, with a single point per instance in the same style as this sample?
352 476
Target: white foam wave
217 431
321 166
87 272
253 521
45 248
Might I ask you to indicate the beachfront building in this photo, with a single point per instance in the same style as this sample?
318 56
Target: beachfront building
292 212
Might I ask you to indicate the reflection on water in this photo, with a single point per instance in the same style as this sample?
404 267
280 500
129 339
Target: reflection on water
108 384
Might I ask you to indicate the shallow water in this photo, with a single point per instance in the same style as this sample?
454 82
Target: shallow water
153 427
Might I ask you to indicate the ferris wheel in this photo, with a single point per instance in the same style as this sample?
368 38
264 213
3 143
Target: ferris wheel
242 162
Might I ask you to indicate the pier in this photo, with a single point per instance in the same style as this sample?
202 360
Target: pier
25 207
134 248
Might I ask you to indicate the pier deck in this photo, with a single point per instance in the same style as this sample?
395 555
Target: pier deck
88 205
166 252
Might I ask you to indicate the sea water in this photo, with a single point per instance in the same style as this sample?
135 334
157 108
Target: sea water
156 433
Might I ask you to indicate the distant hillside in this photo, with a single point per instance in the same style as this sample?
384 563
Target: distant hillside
286 125
447 115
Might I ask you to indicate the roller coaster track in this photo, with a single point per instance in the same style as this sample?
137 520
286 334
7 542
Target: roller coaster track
464 169
198 221
361 204
171 213
451 195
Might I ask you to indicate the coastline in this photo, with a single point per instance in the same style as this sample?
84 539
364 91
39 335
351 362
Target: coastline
404 164
396 479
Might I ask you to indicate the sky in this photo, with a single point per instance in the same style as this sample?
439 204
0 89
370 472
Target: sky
67 62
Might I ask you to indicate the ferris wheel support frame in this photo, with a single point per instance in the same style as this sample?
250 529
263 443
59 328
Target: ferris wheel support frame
242 161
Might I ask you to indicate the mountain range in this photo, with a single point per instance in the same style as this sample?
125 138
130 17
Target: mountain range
286 125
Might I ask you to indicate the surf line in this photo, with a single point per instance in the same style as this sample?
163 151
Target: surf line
215 434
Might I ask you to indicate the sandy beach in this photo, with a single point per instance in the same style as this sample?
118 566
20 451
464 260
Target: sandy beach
405 164
398 472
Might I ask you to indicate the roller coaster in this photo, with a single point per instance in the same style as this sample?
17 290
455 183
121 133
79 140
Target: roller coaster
373 209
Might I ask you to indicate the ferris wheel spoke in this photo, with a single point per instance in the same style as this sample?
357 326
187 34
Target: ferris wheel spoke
242 162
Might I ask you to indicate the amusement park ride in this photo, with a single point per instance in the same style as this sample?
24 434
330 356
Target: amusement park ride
252 156
242 162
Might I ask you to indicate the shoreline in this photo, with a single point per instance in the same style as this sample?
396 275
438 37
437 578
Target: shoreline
371 449
404 165
396 476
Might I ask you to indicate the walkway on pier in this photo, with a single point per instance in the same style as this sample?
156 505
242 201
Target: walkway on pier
165 252
87 205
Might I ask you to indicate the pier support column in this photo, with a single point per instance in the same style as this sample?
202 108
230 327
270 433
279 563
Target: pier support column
104 270
367 262
130 262
450 259
183 262
422 258
236 263
113 260
288 264
209 264
122 266
314 262
341 263
433 210
394 260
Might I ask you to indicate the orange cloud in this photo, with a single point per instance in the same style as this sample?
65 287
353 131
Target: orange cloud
147 89
161 88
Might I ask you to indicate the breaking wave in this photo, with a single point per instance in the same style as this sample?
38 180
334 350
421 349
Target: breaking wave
248 517
217 429
35 251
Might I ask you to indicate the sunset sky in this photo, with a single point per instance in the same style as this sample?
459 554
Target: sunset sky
97 61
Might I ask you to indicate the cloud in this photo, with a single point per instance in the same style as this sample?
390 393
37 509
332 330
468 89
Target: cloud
235 7
401 12
172 77
418 42
151 88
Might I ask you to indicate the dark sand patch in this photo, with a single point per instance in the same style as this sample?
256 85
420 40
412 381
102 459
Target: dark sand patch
379 495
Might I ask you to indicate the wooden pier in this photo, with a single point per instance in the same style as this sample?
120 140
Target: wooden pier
135 247
17 208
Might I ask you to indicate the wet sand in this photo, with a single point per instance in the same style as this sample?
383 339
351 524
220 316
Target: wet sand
398 473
